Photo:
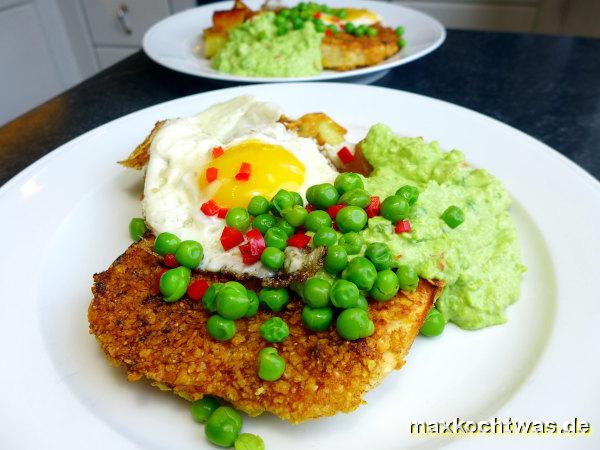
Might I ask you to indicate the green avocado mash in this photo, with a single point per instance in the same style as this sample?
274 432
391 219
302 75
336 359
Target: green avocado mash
254 49
480 260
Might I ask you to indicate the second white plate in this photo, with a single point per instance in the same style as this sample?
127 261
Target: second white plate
173 42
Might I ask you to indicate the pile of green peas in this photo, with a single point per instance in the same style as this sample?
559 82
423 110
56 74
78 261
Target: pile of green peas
360 30
223 425
295 18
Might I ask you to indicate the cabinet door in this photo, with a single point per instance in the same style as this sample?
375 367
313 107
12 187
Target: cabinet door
123 22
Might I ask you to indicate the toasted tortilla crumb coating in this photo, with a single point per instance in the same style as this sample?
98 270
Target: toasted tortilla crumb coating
168 343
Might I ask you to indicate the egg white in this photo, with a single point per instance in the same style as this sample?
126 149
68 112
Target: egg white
182 147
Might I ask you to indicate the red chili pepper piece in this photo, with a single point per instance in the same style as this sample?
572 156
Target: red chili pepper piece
310 208
256 241
210 208
242 176
373 207
317 15
196 289
328 32
222 213
299 240
217 151
231 238
345 155
211 174
245 168
170 261
247 256
403 226
335 209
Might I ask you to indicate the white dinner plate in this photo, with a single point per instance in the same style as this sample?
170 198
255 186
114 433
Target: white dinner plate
66 217
175 42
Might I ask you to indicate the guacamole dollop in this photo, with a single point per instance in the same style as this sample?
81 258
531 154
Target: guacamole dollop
254 49
480 260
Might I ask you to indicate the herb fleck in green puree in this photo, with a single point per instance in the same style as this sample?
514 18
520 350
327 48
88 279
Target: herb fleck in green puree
480 260
254 49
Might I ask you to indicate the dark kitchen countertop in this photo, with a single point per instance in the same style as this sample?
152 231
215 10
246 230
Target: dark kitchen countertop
548 87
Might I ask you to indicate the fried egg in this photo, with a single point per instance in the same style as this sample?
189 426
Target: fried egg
248 132
353 15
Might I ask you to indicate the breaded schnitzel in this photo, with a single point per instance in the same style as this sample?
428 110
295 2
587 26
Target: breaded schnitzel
168 343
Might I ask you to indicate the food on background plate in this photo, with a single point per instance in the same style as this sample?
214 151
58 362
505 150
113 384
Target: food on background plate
281 268
298 41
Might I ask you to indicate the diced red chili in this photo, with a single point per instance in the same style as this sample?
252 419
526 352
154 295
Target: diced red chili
345 155
257 242
210 208
196 289
247 256
222 213
211 174
301 229
242 176
231 238
299 240
310 208
328 32
244 172
217 151
317 15
335 209
245 168
373 207
403 226
170 261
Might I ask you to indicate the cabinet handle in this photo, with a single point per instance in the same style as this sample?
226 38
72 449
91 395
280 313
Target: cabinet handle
122 11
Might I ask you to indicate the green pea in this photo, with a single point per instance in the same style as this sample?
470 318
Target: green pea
434 323
316 319
316 292
209 300
270 365
360 31
137 228
258 205
407 277
203 408
354 323
238 218
401 42
274 330
280 19
351 218
298 24
399 31
317 219
385 287
281 200
395 208
361 303
174 283
274 298
231 303
356 197
247 441
295 216
341 13
223 426
322 196
166 243
189 254
284 13
336 258
263 222
324 236
346 182
281 30
319 26
453 216
371 32
410 193
361 272
252 304
343 294
219 328
380 255
350 28
297 198
236 286
333 29
276 237
272 258
352 242
286 226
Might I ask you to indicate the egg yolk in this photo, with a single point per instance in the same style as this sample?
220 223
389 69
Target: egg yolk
272 167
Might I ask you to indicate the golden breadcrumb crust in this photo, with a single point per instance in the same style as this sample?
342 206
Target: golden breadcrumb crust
168 343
